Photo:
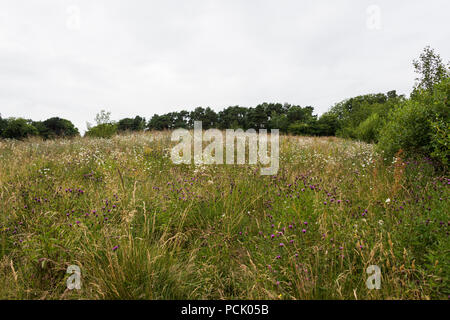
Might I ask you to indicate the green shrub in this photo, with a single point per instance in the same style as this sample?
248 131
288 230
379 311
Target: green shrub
408 129
369 129
104 130
420 125
440 141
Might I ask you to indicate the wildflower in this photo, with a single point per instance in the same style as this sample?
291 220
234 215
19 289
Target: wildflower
272 236
115 248
281 244
388 200
304 230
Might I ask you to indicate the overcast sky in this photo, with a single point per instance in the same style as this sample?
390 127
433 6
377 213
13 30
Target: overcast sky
73 58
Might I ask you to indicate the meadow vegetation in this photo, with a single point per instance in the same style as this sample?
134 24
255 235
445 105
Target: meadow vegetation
141 227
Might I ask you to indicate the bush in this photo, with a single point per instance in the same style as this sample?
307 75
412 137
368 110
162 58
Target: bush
440 141
104 130
408 129
369 129
420 125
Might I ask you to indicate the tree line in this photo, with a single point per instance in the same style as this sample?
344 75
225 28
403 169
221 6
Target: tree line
418 124
287 118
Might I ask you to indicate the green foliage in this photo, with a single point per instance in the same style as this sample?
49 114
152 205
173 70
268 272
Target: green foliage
351 113
105 127
369 129
440 141
285 117
327 125
431 70
129 124
279 121
104 130
55 128
18 128
207 116
420 125
3 125
440 123
408 129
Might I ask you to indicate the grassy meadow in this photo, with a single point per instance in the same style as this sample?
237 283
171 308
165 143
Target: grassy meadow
141 227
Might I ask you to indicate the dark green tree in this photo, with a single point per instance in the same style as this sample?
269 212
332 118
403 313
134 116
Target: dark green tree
56 128
18 128
130 124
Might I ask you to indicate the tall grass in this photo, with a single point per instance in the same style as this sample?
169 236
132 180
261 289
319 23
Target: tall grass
141 227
